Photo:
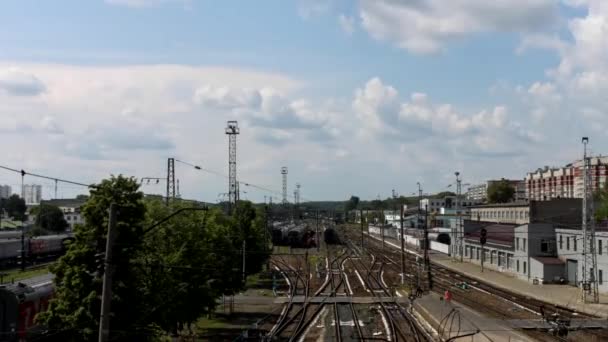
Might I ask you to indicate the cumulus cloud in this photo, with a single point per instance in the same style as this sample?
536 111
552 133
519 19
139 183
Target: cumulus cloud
15 81
425 26
228 97
376 106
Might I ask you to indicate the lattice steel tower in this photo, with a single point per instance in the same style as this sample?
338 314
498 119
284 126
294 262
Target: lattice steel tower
170 180
590 284
297 194
284 173
232 130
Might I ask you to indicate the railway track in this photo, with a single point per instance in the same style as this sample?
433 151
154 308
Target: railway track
487 299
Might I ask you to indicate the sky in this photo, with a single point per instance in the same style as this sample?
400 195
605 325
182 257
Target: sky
354 97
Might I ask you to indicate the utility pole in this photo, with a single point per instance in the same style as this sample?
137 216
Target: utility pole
361 217
22 224
244 246
232 130
419 204
402 246
106 294
318 238
55 188
427 263
590 285
458 236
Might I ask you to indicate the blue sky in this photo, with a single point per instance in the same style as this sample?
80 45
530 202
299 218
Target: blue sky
356 97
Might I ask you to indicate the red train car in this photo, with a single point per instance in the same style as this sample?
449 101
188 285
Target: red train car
19 305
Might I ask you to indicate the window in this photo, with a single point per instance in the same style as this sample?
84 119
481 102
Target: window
525 265
68 218
523 247
517 265
599 246
561 242
544 246
574 244
600 277
567 243
516 244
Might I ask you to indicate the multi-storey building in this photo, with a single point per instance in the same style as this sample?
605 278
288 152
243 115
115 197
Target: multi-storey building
479 192
565 182
32 194
435 205
5 191
567 211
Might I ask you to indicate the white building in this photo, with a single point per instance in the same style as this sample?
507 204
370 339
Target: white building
5 191
436 205
32 193
570 251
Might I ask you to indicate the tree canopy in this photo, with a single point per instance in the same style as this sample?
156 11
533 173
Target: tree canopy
14 206
164 279
50 218
500 192
352 203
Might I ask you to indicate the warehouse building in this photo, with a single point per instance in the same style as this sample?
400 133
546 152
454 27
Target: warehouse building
569 251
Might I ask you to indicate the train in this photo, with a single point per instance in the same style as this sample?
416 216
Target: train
20 304
36 248
295 236
331 237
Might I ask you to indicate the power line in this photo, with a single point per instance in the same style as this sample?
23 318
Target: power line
24 173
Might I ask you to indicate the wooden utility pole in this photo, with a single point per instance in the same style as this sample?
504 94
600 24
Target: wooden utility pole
106 294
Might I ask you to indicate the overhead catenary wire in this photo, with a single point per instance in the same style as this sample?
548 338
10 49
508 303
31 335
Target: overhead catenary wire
23 172
249 184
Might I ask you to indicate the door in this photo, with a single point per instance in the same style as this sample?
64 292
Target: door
571 271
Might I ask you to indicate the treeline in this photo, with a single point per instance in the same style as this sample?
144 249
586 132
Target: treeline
354 202
165 278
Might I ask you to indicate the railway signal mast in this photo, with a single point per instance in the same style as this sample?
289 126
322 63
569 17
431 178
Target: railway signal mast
232 130
590 285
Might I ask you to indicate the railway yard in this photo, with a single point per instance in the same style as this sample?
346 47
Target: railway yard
348 292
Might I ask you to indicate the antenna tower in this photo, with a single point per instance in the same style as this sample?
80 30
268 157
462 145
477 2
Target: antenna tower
170 180
232 130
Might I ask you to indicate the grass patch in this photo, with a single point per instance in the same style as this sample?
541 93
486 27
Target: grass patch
17 274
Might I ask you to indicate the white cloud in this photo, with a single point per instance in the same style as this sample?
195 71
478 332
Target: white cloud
425 26
376 106
311 8
15 81
227 97
347 23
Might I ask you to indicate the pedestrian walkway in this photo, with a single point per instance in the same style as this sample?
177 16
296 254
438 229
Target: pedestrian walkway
453 319
562 295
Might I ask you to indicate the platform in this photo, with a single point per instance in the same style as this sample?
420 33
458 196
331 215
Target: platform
452 319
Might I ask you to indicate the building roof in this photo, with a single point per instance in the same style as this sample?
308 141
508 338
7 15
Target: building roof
501 234
502 205
65 202
549 260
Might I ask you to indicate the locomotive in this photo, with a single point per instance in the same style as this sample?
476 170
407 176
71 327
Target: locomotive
35 248
21 303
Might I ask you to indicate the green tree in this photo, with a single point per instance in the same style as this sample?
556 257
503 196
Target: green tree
50 218
500 192
444 194
352 203
601 199
76 306
15 207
